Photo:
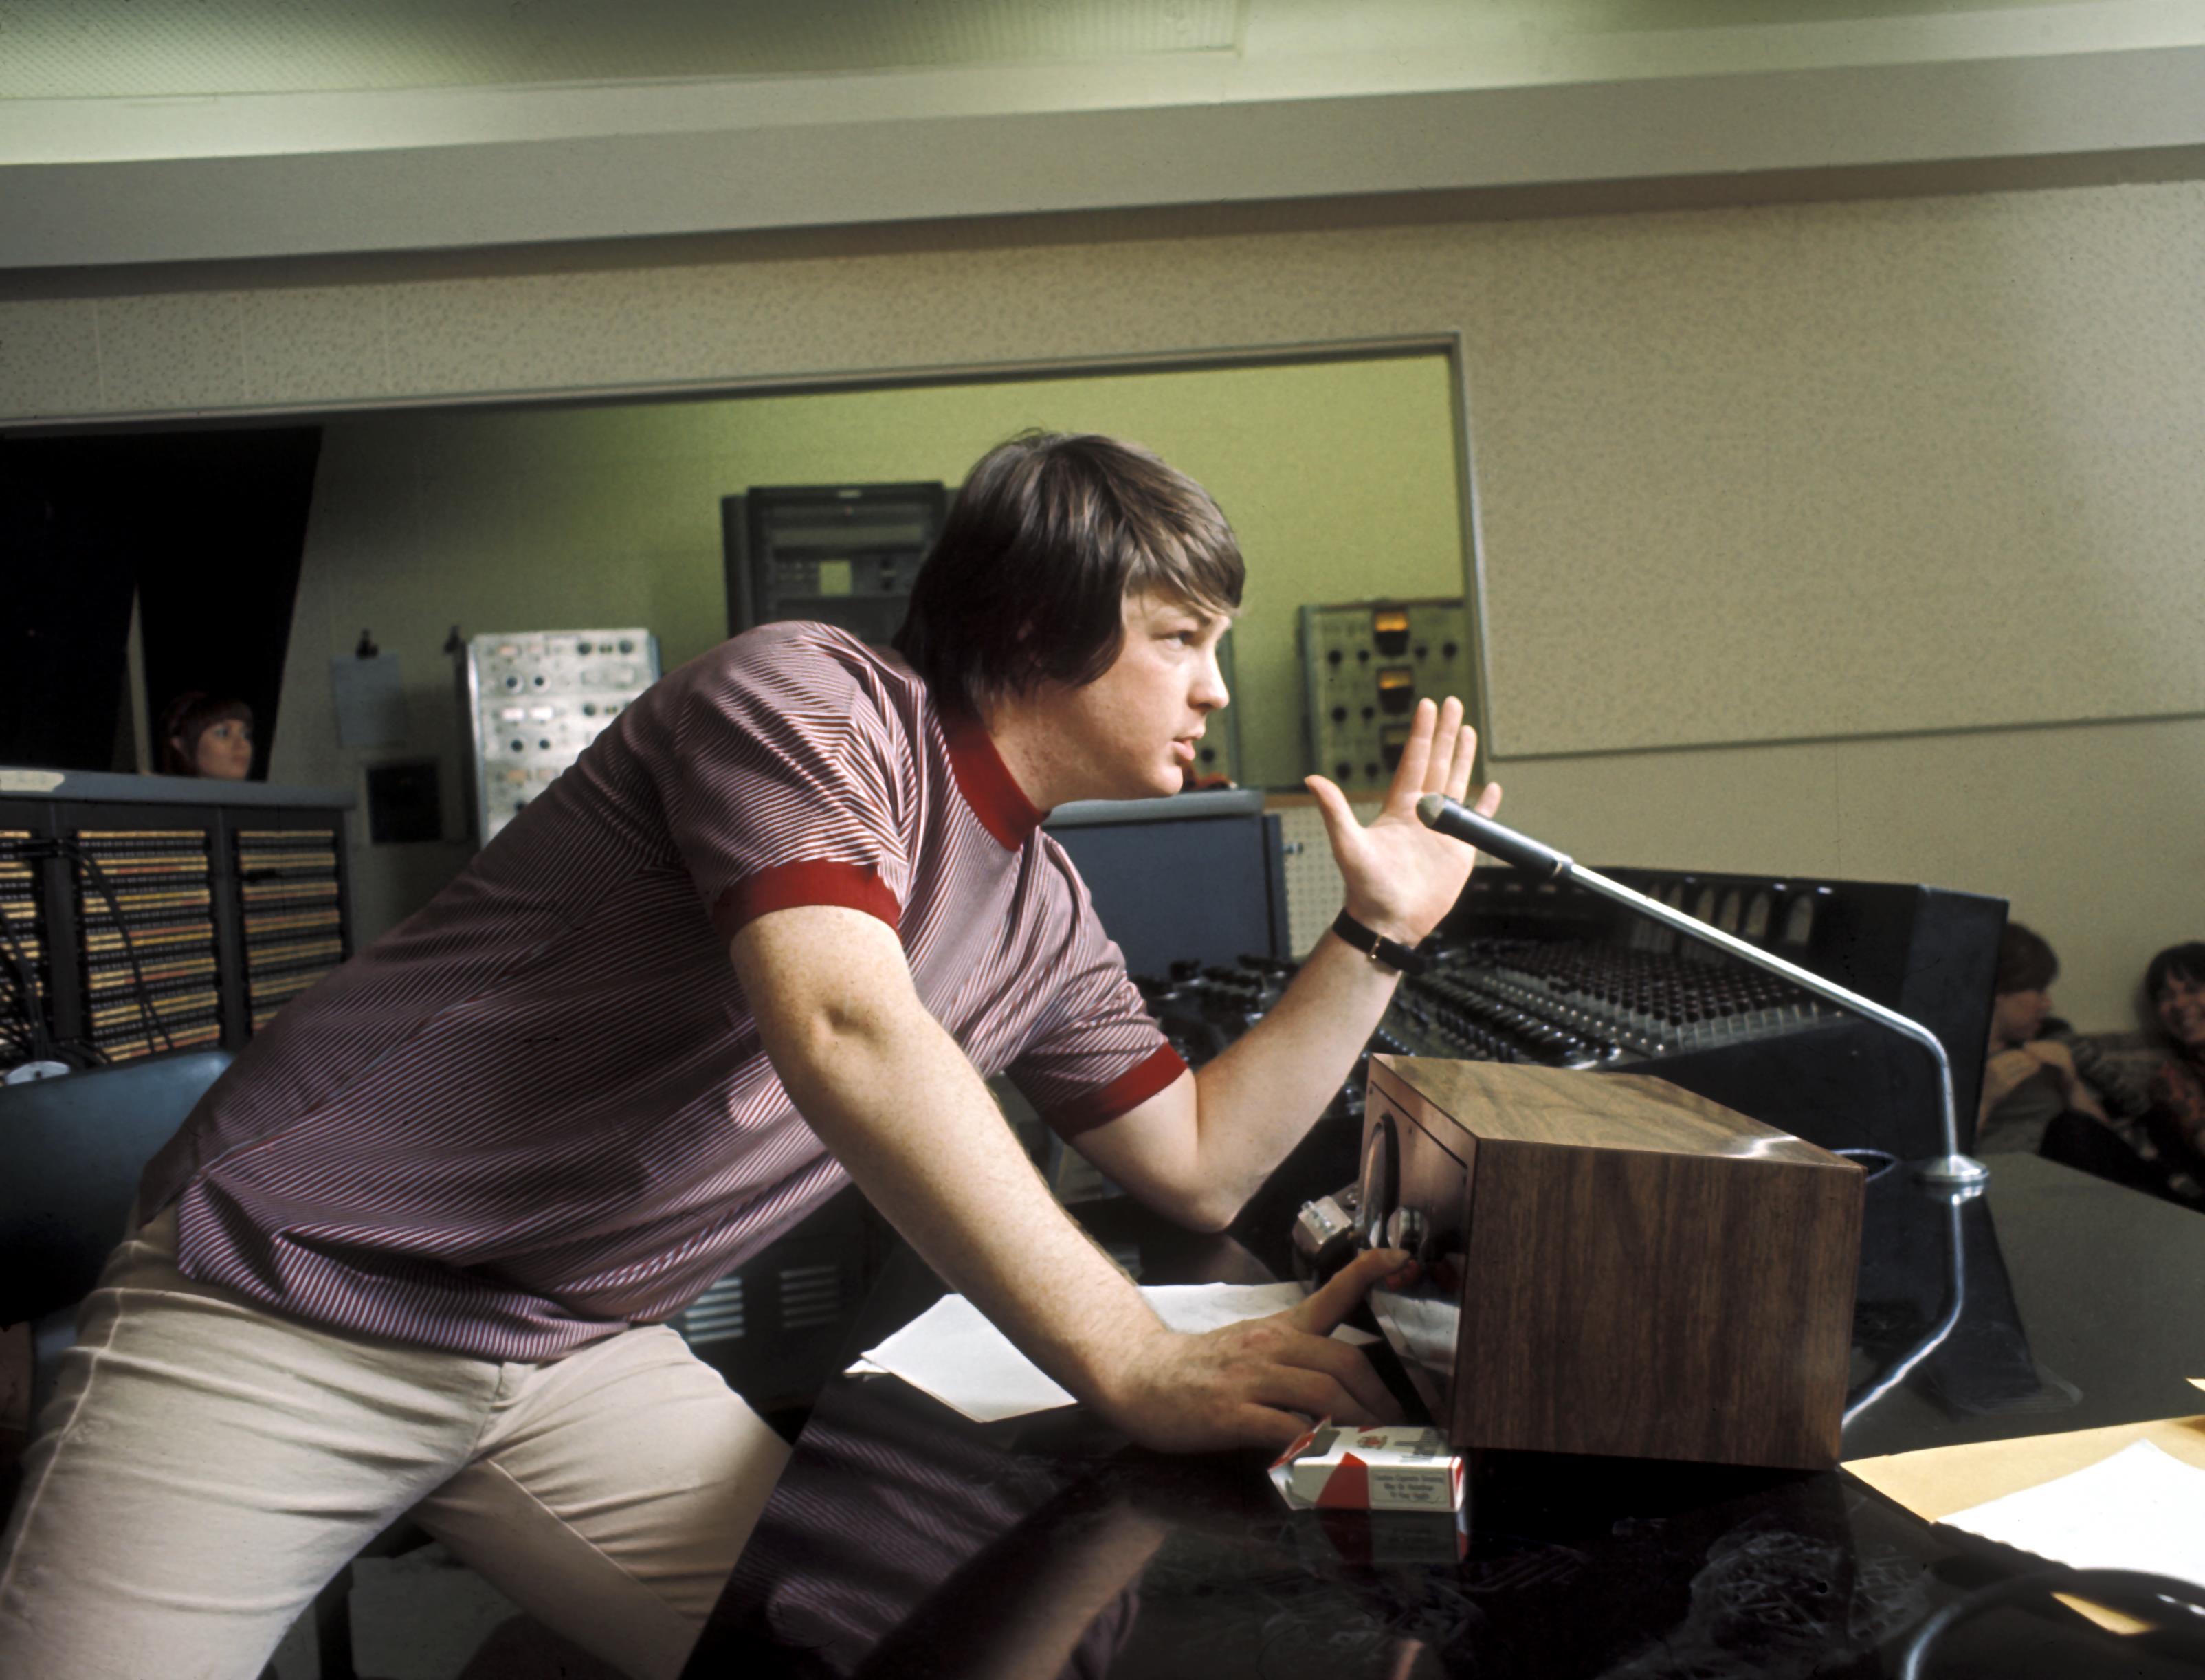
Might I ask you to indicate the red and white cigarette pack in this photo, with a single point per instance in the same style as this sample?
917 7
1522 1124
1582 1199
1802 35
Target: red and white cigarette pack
1397 1468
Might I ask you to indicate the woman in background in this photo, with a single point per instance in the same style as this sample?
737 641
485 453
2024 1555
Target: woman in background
2175 982
202 736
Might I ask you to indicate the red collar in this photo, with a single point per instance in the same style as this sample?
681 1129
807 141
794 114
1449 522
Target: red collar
986 782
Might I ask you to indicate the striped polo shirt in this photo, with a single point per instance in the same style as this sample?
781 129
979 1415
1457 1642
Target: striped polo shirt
537 1111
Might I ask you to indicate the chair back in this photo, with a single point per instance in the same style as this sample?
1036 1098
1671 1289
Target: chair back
71 1151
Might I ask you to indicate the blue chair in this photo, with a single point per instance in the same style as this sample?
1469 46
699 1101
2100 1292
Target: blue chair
71 1150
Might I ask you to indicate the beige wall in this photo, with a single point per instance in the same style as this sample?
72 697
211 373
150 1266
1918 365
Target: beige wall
1989 407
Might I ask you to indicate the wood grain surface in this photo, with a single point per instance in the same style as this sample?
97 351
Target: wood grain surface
1639 1272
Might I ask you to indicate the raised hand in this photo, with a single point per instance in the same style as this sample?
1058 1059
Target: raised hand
1241 1386
1401 876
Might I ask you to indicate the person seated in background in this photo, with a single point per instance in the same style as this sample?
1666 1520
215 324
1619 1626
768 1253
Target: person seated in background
2034 1096
2175 983
202 736
2030 1078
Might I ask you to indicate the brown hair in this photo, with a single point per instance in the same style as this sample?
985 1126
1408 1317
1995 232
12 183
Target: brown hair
186 718
2025 962
1051 533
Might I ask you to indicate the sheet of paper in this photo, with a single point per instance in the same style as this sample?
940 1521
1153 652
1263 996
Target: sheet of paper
952 1353
2139 1509
370 700
1195 1308
1938 1481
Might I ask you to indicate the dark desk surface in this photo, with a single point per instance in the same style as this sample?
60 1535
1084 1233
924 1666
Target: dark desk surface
904 1541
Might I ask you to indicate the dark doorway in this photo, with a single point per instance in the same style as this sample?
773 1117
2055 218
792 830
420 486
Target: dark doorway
207 527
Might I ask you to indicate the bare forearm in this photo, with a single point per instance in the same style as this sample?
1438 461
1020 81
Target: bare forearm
892 1095
1199 1148
907 1114
1255 1101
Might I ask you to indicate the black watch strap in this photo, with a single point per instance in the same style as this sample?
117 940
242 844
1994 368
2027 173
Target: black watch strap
1401 958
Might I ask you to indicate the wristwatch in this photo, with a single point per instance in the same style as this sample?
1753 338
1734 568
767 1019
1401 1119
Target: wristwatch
1389 952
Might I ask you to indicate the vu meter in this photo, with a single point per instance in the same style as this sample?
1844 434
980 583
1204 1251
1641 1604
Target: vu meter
1364 666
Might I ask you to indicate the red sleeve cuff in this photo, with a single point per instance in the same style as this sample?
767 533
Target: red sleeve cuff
785 885
1128 1091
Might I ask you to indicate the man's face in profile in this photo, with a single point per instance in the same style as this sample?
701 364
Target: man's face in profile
1131 734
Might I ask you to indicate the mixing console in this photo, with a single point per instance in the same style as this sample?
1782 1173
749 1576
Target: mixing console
1523 972
1515 1001
1575 1007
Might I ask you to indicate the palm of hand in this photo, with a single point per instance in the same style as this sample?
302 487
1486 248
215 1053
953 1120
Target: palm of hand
1402 877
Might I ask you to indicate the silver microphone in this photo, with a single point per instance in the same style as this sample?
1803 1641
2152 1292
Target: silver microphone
1451 817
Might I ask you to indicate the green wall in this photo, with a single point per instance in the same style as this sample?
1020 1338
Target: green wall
1339 477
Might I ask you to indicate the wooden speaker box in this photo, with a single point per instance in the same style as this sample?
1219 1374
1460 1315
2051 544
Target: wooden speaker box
1611 1264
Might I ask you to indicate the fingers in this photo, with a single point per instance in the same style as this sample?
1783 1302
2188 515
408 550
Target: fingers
1465 760
1352 1397
1489 802
1415 755
1266 1426
1343 1367
1321 1312
1240 1385
1446 739
1340 826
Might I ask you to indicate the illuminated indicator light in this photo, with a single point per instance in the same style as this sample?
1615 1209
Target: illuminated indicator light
1391 740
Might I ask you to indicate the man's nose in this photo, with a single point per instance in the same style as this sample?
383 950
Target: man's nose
1210 690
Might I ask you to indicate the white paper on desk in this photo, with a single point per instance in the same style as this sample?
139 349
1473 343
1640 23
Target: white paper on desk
952 1353
2141 1509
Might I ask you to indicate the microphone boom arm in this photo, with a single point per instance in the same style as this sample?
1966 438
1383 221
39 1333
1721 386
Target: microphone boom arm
1449 816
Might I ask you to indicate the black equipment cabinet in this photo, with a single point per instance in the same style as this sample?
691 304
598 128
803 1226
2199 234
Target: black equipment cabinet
843 554
1928 952
776 1325
152 914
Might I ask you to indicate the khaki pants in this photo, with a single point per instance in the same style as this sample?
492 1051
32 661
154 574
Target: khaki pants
206 1467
